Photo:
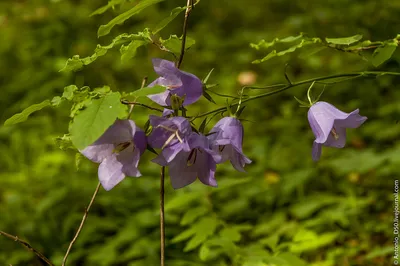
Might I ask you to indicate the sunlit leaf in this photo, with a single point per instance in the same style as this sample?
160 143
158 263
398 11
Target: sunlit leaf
147 91
23 116
110 4
105 29
274 53
345 40
383 53
174 43
174 13
76 63
263 44
129 51
93 121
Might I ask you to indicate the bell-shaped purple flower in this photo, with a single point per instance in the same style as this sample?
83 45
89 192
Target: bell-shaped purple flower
329 126
198 162
118 151
170 135
226 138
183 84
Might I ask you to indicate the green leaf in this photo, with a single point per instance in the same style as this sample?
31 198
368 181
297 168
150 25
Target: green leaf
383 53
192 214
93 121
231 233
76 63
286 259
23 116
173 43
147 91
163 23
203 230
265 45
205 80
64 142
301 102
69 92
307 240
203 125
129 51
78 160
56 101
208 97
110 4
105 29
274 53
344 41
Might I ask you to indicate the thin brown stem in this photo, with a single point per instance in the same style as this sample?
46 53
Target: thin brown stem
81 225
189 6
144 81
28 246
141 104
162 222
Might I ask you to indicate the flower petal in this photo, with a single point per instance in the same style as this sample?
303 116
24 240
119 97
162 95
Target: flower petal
340 139
228 130
160 98
140 141
119 132
321 122
129 158
316 151
110 172
180 173
193 88
206 167
353 120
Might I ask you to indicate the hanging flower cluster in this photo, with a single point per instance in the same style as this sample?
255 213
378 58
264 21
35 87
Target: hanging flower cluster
187 153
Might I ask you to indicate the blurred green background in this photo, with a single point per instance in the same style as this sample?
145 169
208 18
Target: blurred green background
334 212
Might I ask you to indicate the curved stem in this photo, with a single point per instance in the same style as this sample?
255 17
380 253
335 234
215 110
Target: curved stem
295 84
81 225
162 222
27 245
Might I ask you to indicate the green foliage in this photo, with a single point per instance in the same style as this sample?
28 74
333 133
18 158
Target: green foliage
174 44
127 52
163 23
146 91
105 29
383 53
344 41
21 117
286 210
91 122
383 50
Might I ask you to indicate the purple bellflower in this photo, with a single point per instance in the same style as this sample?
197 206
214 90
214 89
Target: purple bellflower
170 135
226 138
118 152
183 84
329 126
199 162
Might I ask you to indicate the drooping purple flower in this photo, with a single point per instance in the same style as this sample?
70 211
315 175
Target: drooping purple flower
177 82
226 138
198 162
329 126
170 135
118 151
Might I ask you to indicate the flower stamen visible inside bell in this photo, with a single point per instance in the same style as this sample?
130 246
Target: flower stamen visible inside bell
122 146
334 133
175 133
221 148
192 157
